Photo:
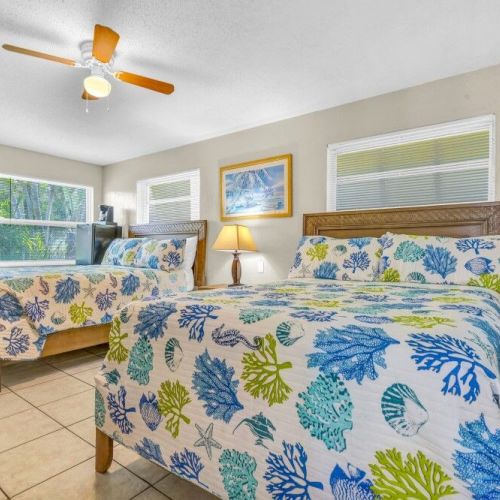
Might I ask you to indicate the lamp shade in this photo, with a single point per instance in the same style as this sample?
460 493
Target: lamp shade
235 238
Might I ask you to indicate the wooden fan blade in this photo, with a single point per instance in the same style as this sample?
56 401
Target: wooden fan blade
41 55
105 41
88 97
143 81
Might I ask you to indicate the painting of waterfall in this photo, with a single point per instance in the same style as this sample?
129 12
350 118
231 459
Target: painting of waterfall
261 188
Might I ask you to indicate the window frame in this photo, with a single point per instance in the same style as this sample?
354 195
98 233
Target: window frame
89 210
144 188
479 123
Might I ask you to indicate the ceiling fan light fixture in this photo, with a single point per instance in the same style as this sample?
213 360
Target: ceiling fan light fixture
97 86
97 56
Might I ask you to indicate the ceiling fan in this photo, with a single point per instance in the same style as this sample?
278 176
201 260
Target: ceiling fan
97 56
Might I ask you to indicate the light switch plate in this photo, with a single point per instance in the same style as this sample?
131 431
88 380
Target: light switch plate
260 266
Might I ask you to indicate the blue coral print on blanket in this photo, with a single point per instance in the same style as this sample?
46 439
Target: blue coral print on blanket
353 259
312 388
36 302
123 252
167 255
432 259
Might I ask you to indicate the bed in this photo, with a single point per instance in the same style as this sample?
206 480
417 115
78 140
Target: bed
316 388
49 310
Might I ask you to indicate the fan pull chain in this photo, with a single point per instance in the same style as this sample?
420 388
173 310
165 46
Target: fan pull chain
86 105
107 103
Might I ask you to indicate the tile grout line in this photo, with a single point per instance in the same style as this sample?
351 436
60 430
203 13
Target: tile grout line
44 382
137 475
141 478
48 416
68 374
148 483
5 494
51 477
17 412
72 374
153 487
93 458
88 368
140 492
78 422
36 408
31 440
46 363
72 432
50 402
66 427
60 399
85 357
33 385
58 423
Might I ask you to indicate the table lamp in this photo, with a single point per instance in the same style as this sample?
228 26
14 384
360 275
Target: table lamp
236 239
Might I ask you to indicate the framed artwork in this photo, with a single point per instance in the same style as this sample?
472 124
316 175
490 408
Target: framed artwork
256 189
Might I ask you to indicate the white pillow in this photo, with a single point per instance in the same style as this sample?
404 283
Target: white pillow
190 252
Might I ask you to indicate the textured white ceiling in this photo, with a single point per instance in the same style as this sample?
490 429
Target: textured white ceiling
235 64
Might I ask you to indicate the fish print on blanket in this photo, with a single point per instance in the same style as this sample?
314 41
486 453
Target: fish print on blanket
310 389
35 302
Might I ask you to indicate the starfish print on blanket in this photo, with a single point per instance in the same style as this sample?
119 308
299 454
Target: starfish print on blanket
89 291
305 270
207 440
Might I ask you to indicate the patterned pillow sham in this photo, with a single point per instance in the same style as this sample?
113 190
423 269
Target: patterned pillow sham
432 259
166 255
353 259
122 252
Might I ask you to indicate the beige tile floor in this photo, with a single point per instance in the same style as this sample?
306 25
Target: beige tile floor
47 437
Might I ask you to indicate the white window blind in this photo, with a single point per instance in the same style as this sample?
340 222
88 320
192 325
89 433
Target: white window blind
170 198
38 220
446 163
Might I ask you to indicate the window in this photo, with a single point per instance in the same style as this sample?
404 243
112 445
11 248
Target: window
447 163
169 199
38 220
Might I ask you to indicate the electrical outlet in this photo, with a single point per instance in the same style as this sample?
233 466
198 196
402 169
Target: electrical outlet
260 266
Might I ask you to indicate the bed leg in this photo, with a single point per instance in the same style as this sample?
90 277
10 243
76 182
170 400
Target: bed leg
103 451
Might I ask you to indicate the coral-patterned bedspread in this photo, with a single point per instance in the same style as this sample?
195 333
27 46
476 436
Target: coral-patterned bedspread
312 389
37 301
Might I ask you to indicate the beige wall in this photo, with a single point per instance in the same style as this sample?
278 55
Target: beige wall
20 162
306 137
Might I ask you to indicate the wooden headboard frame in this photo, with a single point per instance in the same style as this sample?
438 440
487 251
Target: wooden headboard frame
475 219
179 230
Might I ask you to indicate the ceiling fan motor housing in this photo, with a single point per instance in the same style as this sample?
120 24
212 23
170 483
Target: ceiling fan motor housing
96 84
88 61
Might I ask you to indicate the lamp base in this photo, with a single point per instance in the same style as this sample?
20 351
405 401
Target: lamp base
235 284
236 269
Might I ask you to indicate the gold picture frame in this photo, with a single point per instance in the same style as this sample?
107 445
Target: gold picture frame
256 189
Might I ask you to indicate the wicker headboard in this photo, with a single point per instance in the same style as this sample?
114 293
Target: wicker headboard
179 230
461 220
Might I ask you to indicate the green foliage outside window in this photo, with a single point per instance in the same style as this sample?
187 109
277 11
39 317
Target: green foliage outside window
39 201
